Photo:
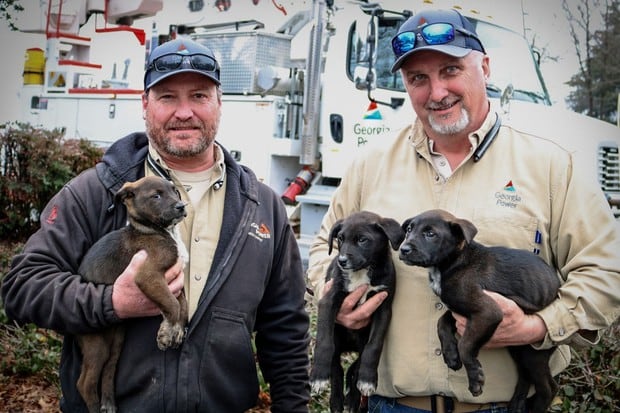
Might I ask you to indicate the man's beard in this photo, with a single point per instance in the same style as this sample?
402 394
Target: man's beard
444 128
450 129
157 135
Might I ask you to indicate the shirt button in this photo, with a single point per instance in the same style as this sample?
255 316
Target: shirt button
438 352
438 306
442 163
561 331
197 277
196 239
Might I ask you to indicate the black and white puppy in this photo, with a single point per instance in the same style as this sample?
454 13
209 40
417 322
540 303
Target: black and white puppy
459 270
364 257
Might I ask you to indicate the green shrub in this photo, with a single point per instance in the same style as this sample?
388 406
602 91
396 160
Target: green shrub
34 165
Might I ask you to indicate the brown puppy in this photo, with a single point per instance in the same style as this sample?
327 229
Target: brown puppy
153 209
459 270
364 257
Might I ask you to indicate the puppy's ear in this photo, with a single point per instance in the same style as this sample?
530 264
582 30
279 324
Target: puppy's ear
406 224
465 229
126 191
333 234
393 231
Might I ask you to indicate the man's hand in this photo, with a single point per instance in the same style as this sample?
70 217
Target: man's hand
129 301
353 317
516 328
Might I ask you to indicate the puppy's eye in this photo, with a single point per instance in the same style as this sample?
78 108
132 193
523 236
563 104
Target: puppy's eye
430 234
362 240
340 239
156 196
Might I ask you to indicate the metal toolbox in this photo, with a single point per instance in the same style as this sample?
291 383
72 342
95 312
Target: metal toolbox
241 53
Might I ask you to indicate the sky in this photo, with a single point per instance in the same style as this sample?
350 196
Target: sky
543 19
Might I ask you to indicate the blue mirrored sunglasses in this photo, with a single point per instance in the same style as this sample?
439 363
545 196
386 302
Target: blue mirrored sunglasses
431 34
170 62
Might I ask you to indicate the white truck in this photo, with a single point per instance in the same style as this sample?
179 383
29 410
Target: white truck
304 90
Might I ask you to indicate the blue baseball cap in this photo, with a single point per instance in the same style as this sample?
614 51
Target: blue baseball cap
181 55
445 31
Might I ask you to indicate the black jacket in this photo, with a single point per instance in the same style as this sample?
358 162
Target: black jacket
255 287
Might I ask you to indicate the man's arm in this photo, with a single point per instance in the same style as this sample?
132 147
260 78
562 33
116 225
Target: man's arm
517 328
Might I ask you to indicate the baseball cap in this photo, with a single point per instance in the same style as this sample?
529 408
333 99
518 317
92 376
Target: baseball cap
446 31
181 55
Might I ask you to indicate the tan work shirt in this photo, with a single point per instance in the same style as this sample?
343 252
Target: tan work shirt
204 193
523 193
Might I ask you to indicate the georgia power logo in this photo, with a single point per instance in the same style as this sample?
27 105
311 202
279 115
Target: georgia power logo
372 125
508 196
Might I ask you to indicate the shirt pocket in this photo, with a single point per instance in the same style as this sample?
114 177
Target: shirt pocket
513 230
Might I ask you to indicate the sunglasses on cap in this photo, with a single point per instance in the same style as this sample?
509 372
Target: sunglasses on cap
173 61
432 34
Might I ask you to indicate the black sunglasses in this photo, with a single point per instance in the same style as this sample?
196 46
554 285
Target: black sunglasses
173 61
431 34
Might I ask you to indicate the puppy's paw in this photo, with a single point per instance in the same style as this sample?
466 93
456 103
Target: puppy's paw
476 383
452 360
170 335
366 388
319 386
107 408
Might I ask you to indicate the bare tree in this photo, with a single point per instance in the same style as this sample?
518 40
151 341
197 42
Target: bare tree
597 83
7 10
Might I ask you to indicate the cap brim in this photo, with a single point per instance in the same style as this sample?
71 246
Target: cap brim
157 77
455 51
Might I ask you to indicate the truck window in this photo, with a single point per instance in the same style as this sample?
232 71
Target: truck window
512 62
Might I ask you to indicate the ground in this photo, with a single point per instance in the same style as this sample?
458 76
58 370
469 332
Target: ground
28 394
32 394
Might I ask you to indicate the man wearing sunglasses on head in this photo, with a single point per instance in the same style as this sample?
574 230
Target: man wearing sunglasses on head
244 280
519 190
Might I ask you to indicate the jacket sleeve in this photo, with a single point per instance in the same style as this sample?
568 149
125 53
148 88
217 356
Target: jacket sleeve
282 325
585 239
42 286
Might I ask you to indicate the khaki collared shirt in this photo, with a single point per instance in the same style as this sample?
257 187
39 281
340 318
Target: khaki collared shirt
523 193
201 228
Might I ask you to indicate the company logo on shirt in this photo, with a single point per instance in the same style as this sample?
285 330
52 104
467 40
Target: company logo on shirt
508 196
260 232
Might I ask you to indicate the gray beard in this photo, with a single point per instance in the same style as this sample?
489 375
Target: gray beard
159 140
453 129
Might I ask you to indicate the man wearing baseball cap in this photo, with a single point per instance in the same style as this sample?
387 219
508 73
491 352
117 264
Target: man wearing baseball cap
519 190
244 281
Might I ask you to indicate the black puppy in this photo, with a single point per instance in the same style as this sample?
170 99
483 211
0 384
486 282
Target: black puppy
364 257
459 270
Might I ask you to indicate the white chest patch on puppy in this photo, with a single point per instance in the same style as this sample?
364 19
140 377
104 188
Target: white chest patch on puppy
357 278
182 250
434 278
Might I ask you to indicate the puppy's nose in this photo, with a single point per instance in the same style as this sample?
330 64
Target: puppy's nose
180 206
342 260
405 249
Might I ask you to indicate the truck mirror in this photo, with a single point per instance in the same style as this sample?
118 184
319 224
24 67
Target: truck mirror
364 78
367 42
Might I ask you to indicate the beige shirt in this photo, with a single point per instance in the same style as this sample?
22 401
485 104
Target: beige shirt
201 228
523 193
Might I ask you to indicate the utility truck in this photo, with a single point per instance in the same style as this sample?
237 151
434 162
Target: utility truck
306 85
